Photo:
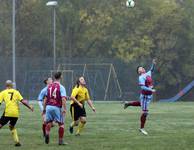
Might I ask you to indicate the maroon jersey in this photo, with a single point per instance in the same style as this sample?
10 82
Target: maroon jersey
146 80
149 81
54 95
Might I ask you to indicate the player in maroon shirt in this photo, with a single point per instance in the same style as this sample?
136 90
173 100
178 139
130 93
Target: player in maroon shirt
55 107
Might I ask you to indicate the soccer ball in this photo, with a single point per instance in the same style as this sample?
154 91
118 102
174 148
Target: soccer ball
130 3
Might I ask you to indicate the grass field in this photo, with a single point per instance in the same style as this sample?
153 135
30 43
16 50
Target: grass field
170 127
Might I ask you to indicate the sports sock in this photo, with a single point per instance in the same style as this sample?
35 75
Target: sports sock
134 103
73 124
143 120
15 135
44 129
80 127
48 128
61 133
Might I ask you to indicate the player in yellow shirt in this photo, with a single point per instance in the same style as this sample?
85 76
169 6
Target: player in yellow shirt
11 98
79 95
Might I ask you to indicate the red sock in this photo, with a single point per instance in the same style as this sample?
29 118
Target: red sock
44 129
135 103
48 128
143 120
61 132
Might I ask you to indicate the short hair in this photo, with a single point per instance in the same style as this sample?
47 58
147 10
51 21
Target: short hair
138 69
45 81
57 75
9 83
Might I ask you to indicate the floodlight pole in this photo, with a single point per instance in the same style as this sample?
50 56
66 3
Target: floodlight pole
54 38
53 4
13 41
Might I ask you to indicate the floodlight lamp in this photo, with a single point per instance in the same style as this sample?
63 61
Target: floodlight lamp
52 3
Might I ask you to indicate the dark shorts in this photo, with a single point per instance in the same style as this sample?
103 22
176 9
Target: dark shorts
12 120
77 112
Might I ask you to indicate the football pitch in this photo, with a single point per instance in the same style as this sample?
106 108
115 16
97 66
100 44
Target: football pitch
170 127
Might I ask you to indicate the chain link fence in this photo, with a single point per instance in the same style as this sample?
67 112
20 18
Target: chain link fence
107 79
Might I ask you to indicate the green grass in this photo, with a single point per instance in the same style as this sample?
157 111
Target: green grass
170 127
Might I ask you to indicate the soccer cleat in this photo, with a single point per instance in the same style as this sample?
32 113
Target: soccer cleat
71 129
46 139
126 104
61 142
18 144
143 131
52 124
77 134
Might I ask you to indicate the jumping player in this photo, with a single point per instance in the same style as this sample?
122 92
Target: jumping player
55 108
11 98
41 97
147 90
79 95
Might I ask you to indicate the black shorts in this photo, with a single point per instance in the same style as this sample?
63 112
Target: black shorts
12 120
77 111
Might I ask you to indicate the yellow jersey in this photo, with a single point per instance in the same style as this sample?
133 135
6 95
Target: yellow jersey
11 97
80 93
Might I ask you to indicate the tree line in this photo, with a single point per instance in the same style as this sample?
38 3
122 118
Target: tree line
159 29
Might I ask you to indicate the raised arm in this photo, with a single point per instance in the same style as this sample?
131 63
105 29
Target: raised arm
153 65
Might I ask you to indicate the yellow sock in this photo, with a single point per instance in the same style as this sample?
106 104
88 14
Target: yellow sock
80 127
73 124
15 135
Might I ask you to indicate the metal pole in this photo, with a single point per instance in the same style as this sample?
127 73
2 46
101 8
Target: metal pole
54 38
13 41
108 82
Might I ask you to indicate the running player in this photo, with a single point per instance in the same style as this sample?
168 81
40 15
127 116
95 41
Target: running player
79 95
53 104
41 97
147 90
11 98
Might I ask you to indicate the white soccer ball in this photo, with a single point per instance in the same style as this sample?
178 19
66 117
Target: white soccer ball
130 3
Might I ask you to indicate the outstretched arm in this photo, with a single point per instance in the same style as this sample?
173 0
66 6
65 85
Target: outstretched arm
91 105
25 103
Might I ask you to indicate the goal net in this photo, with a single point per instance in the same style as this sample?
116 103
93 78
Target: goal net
101 79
